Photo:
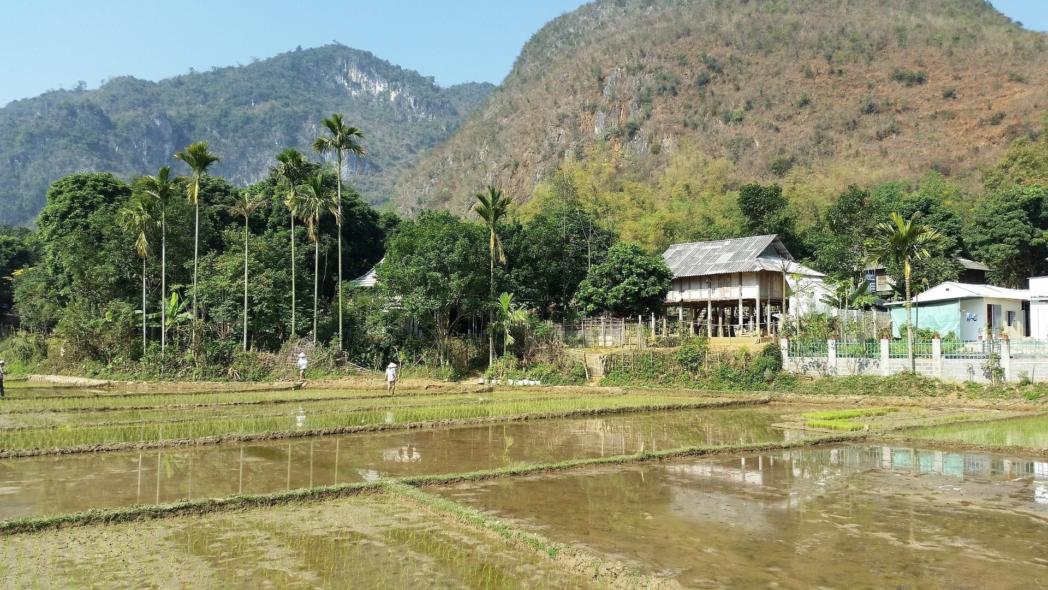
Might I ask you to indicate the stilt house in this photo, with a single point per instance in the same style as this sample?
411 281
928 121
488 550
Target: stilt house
739 287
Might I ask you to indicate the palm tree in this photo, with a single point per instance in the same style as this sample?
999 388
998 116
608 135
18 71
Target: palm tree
137 218
342 140
314 197
199 159
161 188
492 208
509 315
244 206
291 166
904 242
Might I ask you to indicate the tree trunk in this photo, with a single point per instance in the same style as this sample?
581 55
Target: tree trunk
196 256
491 292
163 278
339 189
143 305
292 276
316 279
245 282
909 321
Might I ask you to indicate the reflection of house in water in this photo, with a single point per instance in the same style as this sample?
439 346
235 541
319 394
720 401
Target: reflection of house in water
404 454
786 475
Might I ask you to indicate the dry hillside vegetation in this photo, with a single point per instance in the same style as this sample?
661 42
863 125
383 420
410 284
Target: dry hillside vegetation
814 94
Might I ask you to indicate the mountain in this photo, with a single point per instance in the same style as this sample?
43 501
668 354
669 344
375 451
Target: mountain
813 94
248 114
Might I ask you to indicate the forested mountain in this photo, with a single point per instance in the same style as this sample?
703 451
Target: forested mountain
248 113
812 94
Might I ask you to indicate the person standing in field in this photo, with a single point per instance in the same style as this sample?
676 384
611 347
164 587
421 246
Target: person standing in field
303 362
3 369
391 379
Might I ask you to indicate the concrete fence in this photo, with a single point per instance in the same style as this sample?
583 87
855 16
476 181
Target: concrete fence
979 362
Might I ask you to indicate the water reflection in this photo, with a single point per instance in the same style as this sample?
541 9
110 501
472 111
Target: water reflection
48 485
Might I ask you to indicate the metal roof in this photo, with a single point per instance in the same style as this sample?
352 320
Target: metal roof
751 254
952 290
368 279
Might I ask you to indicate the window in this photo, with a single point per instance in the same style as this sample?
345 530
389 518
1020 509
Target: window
1011 319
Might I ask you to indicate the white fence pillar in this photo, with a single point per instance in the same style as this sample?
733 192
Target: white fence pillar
937 358
831 357
885 357
1006 360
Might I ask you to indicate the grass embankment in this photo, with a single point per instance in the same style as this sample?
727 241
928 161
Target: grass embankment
32 442
247 501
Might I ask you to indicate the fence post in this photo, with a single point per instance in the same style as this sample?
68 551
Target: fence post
937 357
1006 359
831 357
784 349
885 357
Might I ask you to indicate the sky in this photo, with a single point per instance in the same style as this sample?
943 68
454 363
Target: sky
51 44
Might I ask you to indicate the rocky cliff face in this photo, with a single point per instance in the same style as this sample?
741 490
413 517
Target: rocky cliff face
248 114
814 94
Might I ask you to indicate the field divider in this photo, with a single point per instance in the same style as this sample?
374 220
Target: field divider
378 427
247 501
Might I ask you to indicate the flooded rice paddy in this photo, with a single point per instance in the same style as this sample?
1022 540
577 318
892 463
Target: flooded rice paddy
870 514
36 486
360 542
843 517
1028 432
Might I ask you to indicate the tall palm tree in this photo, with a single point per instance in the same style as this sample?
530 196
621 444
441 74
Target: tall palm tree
904 242
162 189
510 315
492 207
314 198
199 159
137 218
291 166
244 205
341 139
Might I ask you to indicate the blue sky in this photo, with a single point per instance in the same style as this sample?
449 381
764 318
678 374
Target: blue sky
49 44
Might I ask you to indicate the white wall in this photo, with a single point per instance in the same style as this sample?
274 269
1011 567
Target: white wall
976 330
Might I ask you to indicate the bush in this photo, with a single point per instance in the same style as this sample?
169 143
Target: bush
691 356
909 77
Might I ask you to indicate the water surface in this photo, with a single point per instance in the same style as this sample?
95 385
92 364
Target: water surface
845 517
71 483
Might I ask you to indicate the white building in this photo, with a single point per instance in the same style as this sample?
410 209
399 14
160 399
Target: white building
969 312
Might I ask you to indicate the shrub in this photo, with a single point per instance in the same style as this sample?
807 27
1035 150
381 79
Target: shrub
868 106
781 166
949 94
691 356
909 77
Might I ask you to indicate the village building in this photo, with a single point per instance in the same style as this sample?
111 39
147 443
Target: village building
967 311
740 286
882 284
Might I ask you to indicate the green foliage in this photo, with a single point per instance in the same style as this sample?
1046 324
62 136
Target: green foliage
909 77
692 354
1006 231
767 211
627 282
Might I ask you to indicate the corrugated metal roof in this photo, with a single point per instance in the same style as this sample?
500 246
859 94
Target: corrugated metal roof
368 279
971 264
750 254
951 290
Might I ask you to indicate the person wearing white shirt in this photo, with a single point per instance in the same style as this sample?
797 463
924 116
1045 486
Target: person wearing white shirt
302 364
391 378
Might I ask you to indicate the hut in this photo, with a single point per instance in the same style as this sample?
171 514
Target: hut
739 287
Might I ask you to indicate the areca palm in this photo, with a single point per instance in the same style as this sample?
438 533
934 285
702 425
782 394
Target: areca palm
199 159
341 139
161 188
244 206
492 207
904 242
291 166
137 218
510 315
314 198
